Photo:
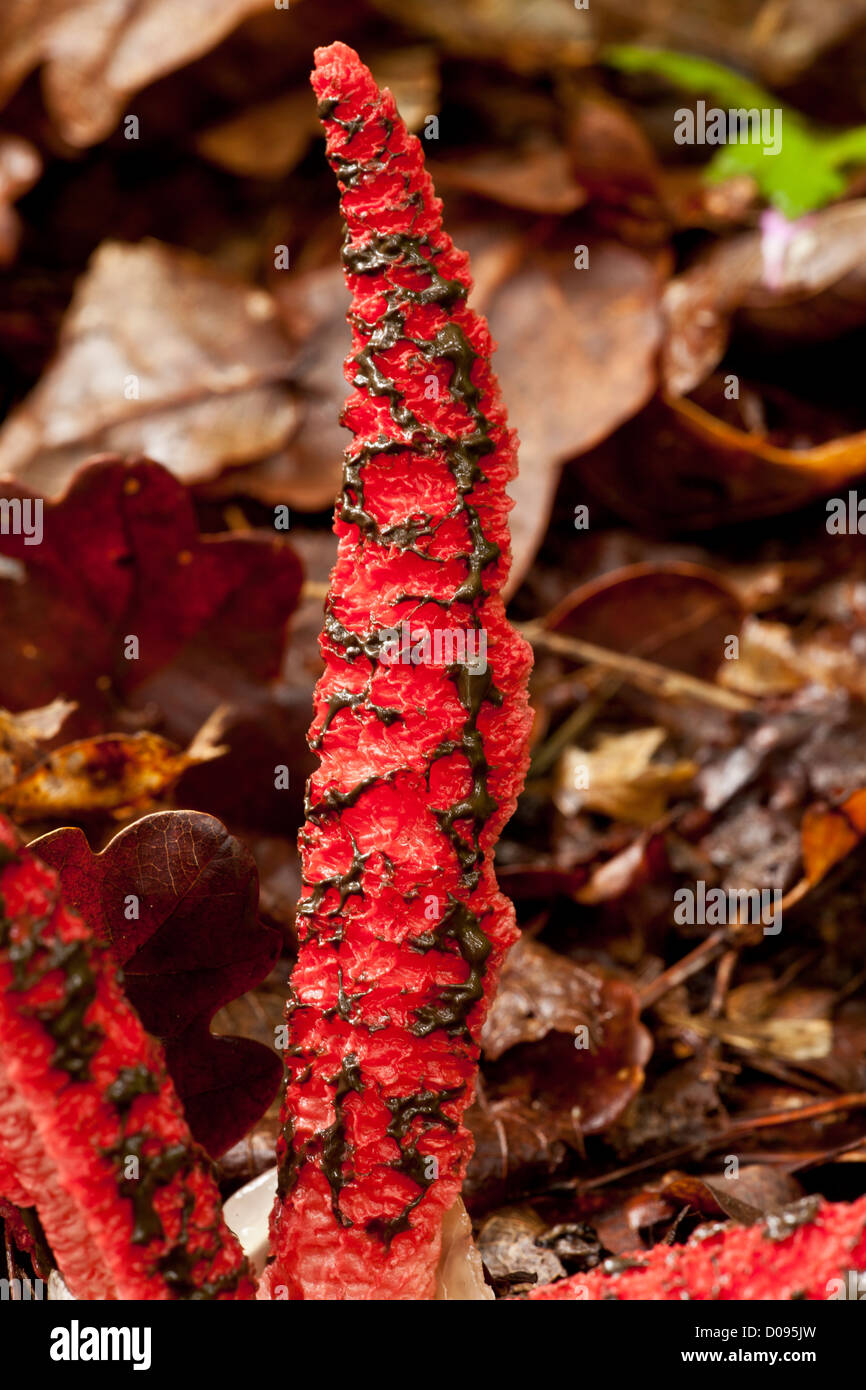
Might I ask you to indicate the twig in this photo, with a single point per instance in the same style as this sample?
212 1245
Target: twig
681 970
569 731
660 680
853 1101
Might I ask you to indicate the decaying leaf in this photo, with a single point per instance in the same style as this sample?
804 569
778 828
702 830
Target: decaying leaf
746 1195
619 778
517 1144
529 37
193 373
113 774
782 296
565 1054
121 558
264 141
614 162
591 368
307 473
774 660
767 662
828 835
698 470
21 734
677 613
507 1242
95 54
793 1040
540 991
538 178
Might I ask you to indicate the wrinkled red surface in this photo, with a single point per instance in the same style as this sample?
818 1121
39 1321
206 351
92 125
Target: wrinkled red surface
67 1036
744 1263
358 997
196 944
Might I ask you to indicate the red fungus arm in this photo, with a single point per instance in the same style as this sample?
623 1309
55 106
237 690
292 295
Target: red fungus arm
812 1250
402 926
91 1130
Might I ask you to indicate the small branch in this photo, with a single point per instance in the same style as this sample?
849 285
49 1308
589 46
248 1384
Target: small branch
648 675
703 953
740 1128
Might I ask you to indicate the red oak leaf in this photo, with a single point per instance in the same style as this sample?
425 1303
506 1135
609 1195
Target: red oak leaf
195 944
121 557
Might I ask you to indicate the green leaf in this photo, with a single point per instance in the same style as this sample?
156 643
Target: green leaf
698 75
805 173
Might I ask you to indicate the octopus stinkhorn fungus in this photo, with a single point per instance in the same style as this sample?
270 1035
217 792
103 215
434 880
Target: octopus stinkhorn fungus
421 727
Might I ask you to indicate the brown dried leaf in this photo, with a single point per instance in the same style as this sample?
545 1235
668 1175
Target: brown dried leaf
825 253
677 465
767 661
619 779
591 367
680 1107
526 37
620 874
614 161
97 53
676 613
507 1243
565 1041
538 991
790 1039
536 177
755 1191
698 306
516 1144
264 141
191 373
412 73
21 734
774 660
306 474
